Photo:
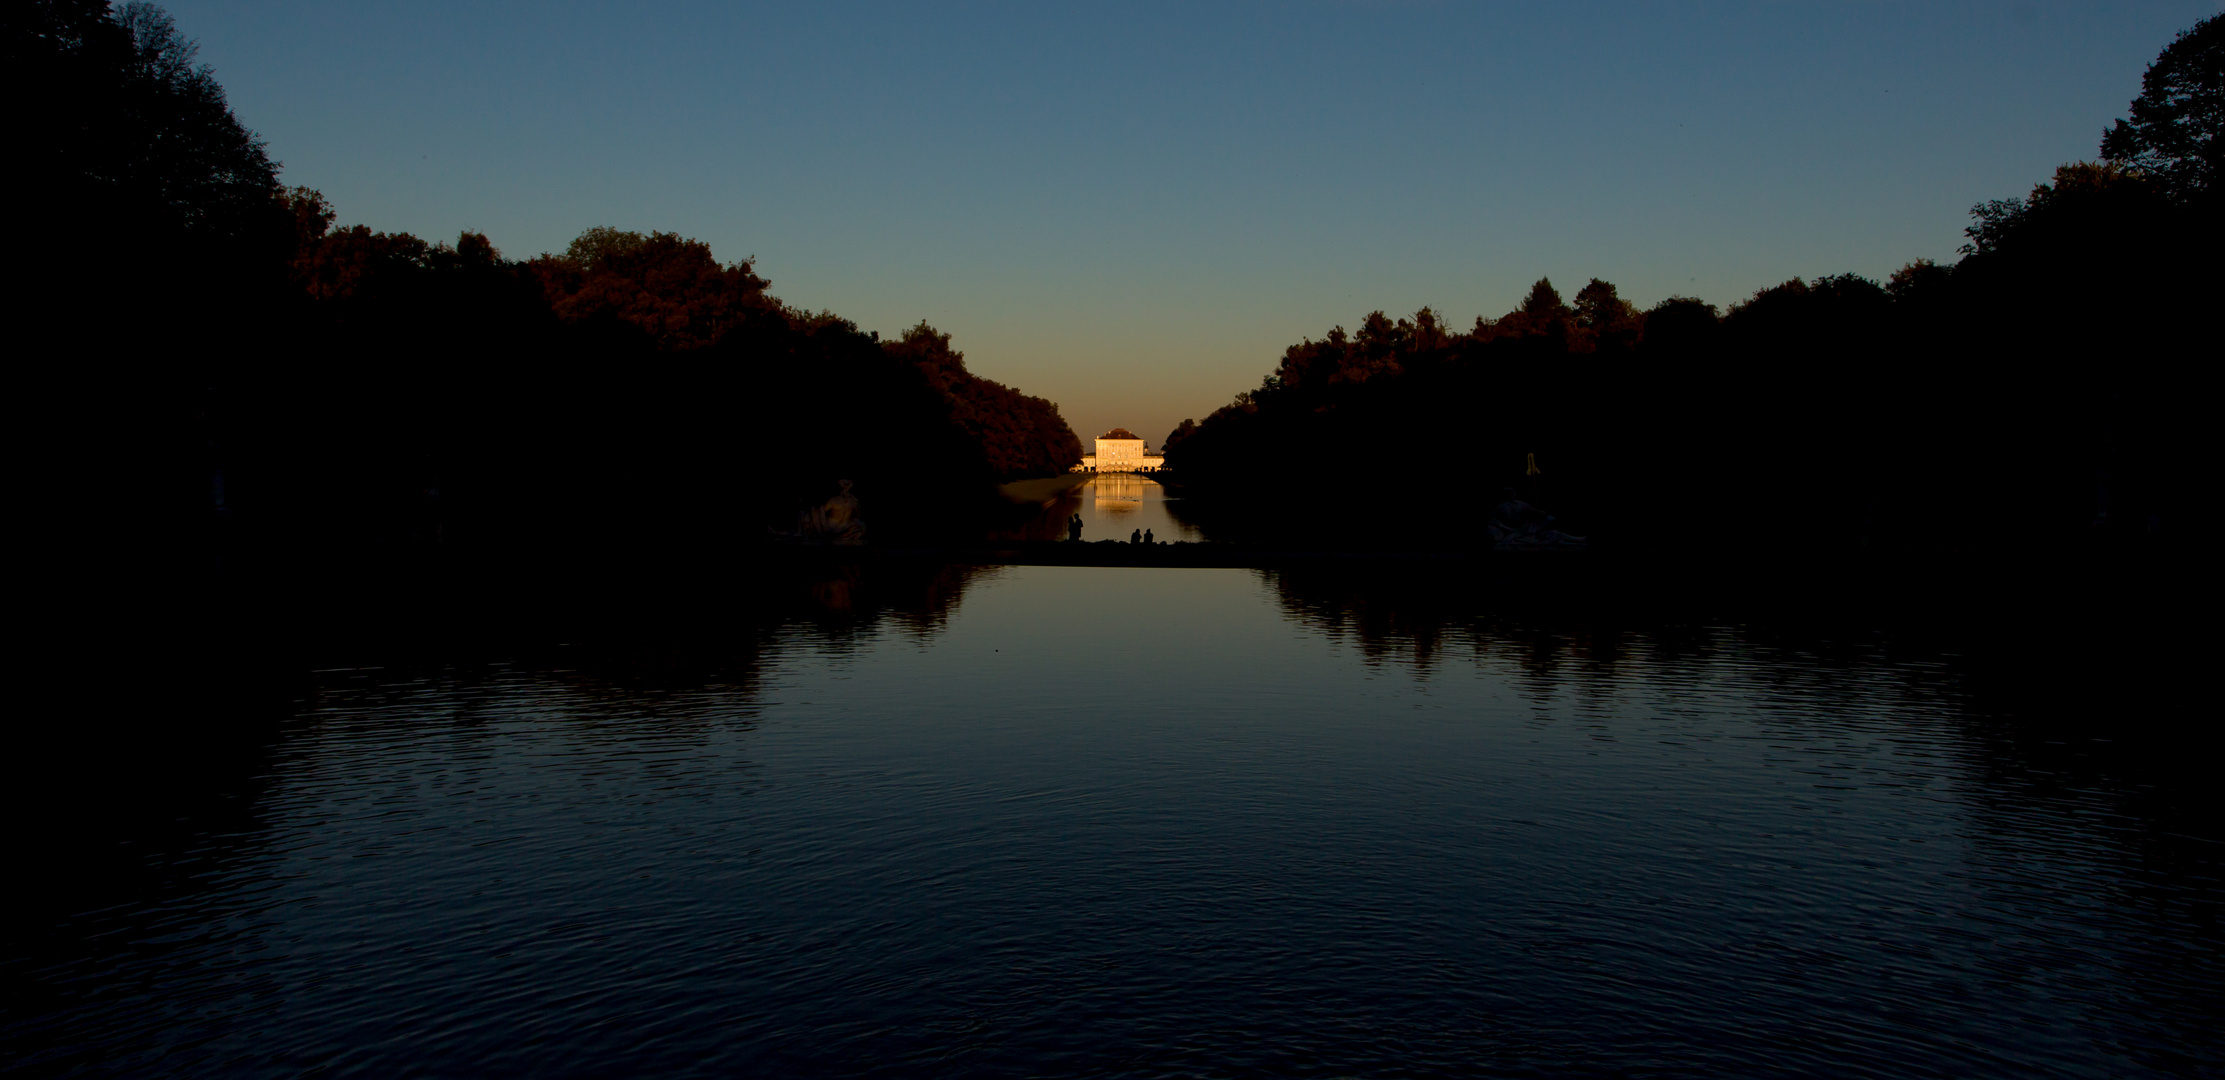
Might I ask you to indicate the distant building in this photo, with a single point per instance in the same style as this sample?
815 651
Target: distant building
1120 450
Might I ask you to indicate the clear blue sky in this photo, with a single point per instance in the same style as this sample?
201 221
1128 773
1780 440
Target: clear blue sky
1131 209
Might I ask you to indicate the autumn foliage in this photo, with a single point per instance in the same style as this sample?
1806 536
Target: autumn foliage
670 287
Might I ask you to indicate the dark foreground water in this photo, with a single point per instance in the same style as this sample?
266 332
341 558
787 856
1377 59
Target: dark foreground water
1065 821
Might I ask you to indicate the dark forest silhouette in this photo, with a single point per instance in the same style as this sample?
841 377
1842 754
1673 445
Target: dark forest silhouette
237 422
219 360
208 357
635 383
2039 392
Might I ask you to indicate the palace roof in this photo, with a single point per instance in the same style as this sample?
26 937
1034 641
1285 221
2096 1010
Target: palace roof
1120 433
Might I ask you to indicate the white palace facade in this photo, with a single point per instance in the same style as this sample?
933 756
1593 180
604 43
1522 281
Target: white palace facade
1120 450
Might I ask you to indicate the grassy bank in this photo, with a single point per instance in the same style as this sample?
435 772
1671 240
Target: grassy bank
1043 490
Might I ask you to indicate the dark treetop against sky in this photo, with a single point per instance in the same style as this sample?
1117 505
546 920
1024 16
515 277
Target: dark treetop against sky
1132 208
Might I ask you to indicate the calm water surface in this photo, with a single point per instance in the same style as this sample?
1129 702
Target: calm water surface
1114 505
1151 822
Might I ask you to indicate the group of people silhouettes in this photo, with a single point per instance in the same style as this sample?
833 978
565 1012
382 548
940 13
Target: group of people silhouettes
1074 531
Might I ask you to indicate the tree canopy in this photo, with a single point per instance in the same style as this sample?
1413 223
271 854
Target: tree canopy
263 371
2175 127
322 380
126 128
2039 391
671 287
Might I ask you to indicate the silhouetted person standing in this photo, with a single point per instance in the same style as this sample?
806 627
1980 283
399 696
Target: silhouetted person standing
1136 537
1074 528
1147 536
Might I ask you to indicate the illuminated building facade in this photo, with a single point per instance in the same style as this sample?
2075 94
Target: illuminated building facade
1120 451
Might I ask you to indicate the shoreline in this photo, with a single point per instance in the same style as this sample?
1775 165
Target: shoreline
1042 490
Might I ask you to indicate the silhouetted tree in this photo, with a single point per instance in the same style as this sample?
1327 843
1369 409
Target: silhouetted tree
335 387
1998 401
1681 325
633 391
122 121
1919 277
1022 435
1605 321
1544 303
2038 392
123 144
2088 198
195 161
2178 120
1174 438
1600 309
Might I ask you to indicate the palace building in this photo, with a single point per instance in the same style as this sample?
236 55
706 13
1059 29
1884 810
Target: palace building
1120 450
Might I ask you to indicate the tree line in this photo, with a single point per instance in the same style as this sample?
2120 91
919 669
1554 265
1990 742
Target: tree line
206 350
2041 390
635 381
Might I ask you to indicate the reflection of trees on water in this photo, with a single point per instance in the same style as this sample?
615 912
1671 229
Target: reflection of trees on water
1570 645
1423 614
2080 712
168 797
851 599
2043 673
677 663
2043 702
717 633
1046 523
1210 519
1577 620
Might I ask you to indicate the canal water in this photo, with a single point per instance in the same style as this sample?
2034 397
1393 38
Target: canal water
1136 822
1114 506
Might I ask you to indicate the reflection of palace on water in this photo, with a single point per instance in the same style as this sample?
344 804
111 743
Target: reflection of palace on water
1118 495
1119 451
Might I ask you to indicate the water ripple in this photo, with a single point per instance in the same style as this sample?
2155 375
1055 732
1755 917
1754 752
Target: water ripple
1188 836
